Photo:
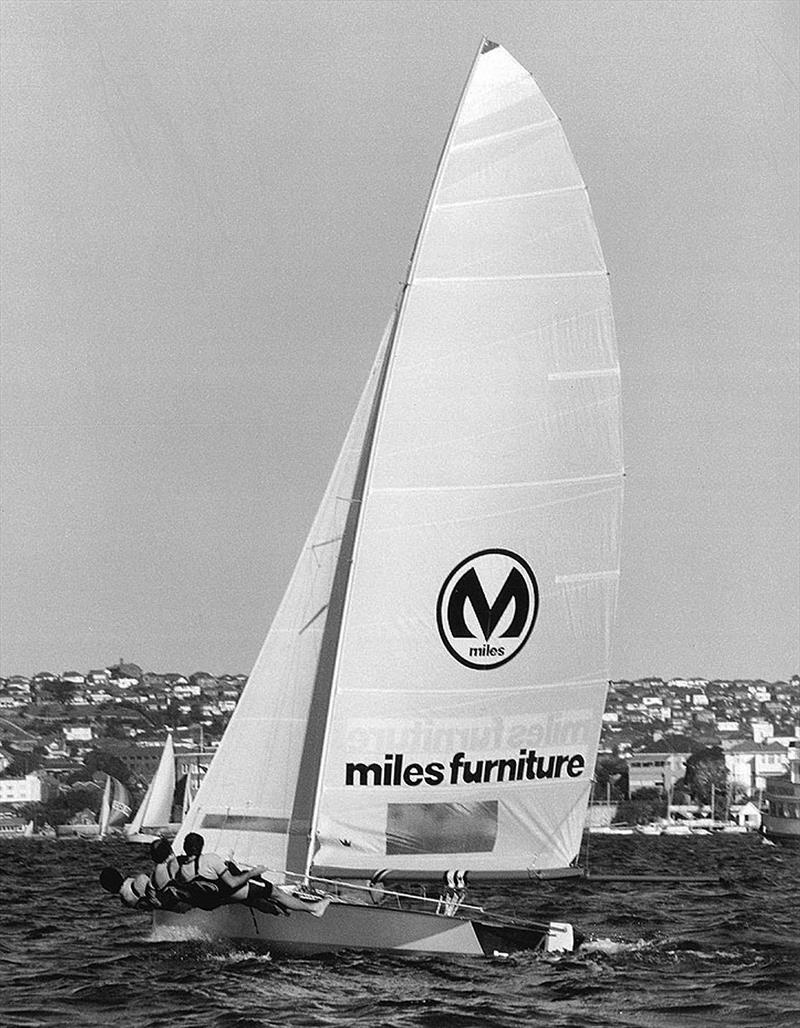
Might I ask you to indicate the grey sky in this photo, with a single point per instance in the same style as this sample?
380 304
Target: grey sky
207 209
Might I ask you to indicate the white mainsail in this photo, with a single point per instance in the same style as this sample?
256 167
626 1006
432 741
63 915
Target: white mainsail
430 693
155 810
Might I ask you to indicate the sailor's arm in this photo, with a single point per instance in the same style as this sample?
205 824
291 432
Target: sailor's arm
236 881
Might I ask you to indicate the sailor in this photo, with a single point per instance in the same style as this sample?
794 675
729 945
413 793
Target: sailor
205 880
132 891
161 891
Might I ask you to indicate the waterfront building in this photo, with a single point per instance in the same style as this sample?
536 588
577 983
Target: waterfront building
655 770
12 825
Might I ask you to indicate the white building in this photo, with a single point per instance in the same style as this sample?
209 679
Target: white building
762 730
655 770
22 790
750 764
77 733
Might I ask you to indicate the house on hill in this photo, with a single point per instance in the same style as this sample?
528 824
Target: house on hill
124 675
751 764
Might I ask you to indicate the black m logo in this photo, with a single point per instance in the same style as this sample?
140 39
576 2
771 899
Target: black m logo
505 621
469 588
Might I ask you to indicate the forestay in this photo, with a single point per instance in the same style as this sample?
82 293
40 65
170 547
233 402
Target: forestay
431 691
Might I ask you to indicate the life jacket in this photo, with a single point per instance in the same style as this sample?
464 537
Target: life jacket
205 893
131 897
165 896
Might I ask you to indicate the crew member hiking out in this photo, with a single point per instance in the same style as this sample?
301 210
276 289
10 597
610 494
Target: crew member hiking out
205 880
132 891
162 891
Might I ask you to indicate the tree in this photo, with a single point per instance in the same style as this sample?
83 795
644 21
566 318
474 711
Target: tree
704 769
610 779
100 760
59 691
645 805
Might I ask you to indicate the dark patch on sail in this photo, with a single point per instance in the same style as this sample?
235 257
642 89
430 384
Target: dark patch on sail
245 823
488 45
441 827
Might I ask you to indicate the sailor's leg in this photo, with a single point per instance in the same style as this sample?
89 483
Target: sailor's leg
260 898
287 899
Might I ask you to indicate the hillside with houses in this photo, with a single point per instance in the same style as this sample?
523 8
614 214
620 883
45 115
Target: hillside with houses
62 732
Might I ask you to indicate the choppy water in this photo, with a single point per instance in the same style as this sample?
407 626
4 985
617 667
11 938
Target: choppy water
660 955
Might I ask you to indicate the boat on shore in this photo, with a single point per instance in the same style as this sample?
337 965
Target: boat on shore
427 704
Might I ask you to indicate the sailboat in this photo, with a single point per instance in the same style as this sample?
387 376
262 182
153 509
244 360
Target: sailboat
426 708
153 818
115 806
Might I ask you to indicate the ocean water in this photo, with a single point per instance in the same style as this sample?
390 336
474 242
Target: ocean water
658 955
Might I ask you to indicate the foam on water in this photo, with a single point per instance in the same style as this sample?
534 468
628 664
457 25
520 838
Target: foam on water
612 947
238 957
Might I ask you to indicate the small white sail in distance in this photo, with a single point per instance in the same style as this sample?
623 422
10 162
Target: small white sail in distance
115 806
372 732
155 810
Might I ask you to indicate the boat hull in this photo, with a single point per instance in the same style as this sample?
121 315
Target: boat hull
780 829
358 926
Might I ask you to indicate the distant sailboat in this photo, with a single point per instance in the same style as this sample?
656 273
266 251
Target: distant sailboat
115 806
428 701
154 816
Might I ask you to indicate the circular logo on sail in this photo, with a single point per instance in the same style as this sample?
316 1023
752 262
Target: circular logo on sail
487 608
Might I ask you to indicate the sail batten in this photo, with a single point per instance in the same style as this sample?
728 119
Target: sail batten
511 278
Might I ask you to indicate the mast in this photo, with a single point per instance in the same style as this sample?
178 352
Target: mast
302 828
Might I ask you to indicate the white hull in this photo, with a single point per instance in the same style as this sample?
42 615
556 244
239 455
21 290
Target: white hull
357 926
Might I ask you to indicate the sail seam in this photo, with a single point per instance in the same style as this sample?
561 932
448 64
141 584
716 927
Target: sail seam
510 278
556 376
495 485
589 576
467 144
509 196
589 683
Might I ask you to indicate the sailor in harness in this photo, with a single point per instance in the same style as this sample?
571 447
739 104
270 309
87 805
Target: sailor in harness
207 881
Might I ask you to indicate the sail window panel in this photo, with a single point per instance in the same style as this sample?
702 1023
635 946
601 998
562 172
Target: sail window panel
538 160
534 236
416 828
566 323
